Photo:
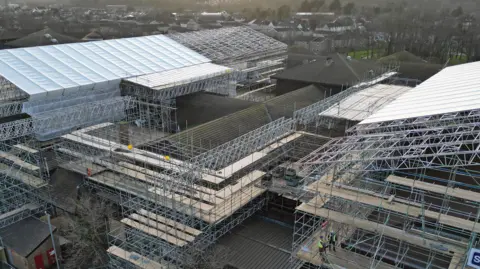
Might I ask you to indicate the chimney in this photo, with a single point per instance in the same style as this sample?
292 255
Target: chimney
329 61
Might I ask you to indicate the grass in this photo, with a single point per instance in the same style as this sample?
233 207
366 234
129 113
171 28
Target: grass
377 53
458 59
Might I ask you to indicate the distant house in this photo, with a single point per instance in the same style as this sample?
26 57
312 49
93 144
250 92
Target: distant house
340 25
413 70
41 38
28 244
334 72
192 25
116 8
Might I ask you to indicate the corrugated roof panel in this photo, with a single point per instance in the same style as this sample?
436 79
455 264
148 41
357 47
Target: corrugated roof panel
162 80
70 67
364 103
453 89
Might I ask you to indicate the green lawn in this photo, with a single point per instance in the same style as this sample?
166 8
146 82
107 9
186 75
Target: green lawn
458 59
377 53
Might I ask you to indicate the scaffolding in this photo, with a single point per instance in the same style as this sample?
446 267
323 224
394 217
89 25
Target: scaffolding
176 200
255 55
24 177
397 193
232 45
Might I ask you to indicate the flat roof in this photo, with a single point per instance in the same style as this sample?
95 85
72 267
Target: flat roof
39 71
362 104
180 76
453 89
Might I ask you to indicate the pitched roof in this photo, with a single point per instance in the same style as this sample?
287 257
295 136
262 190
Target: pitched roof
25 236
402 56
41 38
341 71
224 129
285 104
420 71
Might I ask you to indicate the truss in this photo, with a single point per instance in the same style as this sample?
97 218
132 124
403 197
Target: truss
246 144
413 218
223 84
230 45
311 113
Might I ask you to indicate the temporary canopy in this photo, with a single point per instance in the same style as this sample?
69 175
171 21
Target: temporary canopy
59 69
453 89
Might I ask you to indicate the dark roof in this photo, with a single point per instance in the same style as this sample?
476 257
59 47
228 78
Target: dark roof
198 108
402 56
6 35
420 71
225 129
257 244
284 105
341 72
40 39
25 236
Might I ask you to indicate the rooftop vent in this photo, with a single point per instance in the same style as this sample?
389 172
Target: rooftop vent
329 61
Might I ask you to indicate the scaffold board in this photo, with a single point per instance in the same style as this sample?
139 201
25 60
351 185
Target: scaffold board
170 222
19 162
154 232
454 192
162 227
135 258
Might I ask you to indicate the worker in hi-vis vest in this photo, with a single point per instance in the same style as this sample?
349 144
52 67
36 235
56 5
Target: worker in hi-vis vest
332 240
321 247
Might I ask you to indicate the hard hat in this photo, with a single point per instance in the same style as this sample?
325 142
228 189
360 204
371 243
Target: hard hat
167 158
130 146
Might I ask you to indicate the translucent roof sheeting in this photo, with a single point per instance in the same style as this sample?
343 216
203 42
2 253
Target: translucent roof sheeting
362 104
227 45
453 89
57 69
162 80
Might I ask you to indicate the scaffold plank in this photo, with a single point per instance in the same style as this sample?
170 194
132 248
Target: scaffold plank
181 199
135 258
170 222
27 179
454 192
242 182
231 169
365 199
160 175
25 148
102 145
162 227
382 229
158 184
93 127
154 232
229 206
17 161
454 221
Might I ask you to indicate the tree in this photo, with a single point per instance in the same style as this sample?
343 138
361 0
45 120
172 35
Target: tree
348 8
283 12
377 10
305 6
87 231
335 6
316 5
457 12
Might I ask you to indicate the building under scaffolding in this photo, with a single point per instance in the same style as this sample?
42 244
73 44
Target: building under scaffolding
256 55
107 110
401 190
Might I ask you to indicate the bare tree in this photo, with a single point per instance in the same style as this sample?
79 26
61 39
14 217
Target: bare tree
87 230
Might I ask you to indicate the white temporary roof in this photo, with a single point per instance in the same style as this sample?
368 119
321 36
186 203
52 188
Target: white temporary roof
453 89
362 104
180 76
71 67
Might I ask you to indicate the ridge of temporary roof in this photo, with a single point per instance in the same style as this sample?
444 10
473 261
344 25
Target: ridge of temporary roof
180 76
56 69
453 89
